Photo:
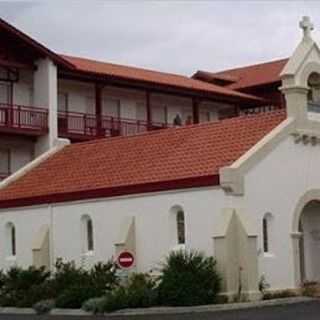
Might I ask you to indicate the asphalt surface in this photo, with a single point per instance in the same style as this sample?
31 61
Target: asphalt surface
299 311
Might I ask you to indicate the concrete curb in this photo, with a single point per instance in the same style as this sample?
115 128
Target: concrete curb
168 310
210 308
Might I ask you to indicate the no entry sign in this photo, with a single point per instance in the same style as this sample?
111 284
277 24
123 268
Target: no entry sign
125 260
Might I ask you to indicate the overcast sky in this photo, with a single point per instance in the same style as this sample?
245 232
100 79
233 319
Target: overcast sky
173 36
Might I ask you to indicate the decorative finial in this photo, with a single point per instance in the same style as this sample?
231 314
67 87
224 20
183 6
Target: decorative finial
307 26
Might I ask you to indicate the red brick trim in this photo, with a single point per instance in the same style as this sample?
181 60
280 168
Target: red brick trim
204 181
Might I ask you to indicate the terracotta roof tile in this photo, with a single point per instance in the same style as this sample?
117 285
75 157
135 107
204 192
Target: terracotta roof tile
165 156
253 75
156 77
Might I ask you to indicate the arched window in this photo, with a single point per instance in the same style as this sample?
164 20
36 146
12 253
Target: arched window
266 232
87 231
180 227
314 88
177 226
11 239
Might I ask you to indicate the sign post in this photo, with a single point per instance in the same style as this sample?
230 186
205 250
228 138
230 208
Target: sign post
125 261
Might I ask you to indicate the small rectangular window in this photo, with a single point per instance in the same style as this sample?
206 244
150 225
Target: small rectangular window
13 241
5 162
90 235
5 92
265 235
160 114
63 102
204 116
181 227
111 107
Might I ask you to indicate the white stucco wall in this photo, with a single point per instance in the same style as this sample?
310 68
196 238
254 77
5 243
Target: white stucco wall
275 185
152 221
27 223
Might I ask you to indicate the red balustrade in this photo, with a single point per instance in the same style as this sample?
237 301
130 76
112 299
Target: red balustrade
4 175
260 109
23 119
76 125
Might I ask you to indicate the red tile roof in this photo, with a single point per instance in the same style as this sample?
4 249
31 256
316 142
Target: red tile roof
251 76
174 158
154 77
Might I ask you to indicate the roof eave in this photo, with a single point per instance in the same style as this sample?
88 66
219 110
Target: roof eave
36 45
186 183
236 97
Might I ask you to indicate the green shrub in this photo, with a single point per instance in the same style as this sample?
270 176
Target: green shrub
137 292
103 277
24 287
115 300
74 296
73 286
263 285
188 278
309 289
94 305
44 306
279 294
66 275
141 291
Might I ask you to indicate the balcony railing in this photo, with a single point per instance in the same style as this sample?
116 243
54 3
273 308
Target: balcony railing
260 109
23 119
4 175
75 125
313 107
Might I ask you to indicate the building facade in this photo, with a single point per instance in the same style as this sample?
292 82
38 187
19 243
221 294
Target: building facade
245 190
45 96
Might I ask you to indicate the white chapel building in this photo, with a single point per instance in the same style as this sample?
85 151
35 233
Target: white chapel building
98 158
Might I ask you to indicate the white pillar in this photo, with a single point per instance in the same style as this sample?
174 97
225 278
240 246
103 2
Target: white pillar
46 96
296 101
296 238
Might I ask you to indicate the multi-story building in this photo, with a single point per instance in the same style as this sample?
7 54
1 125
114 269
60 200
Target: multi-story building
244 190
44 96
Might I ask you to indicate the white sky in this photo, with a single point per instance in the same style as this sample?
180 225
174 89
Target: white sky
173 36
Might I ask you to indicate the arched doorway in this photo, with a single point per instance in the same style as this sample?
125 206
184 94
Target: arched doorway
309 243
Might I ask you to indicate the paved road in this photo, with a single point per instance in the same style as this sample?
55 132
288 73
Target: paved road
299 311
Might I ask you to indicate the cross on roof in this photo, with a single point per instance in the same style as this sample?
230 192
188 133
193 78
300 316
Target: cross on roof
307 26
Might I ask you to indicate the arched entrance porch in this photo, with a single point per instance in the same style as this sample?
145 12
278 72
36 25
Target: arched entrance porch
306 238
309 246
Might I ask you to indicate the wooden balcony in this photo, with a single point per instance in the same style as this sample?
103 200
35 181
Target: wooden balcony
80 126
4 175
260 109
19 119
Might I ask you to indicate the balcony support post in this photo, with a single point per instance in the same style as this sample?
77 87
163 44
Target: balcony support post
98 108
148 107
196 110
45 94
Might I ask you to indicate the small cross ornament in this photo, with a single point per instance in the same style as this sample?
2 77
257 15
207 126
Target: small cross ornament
307 26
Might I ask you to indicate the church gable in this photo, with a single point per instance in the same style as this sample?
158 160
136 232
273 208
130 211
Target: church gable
301 88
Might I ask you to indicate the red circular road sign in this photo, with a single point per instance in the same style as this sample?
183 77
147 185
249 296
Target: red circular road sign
125 260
